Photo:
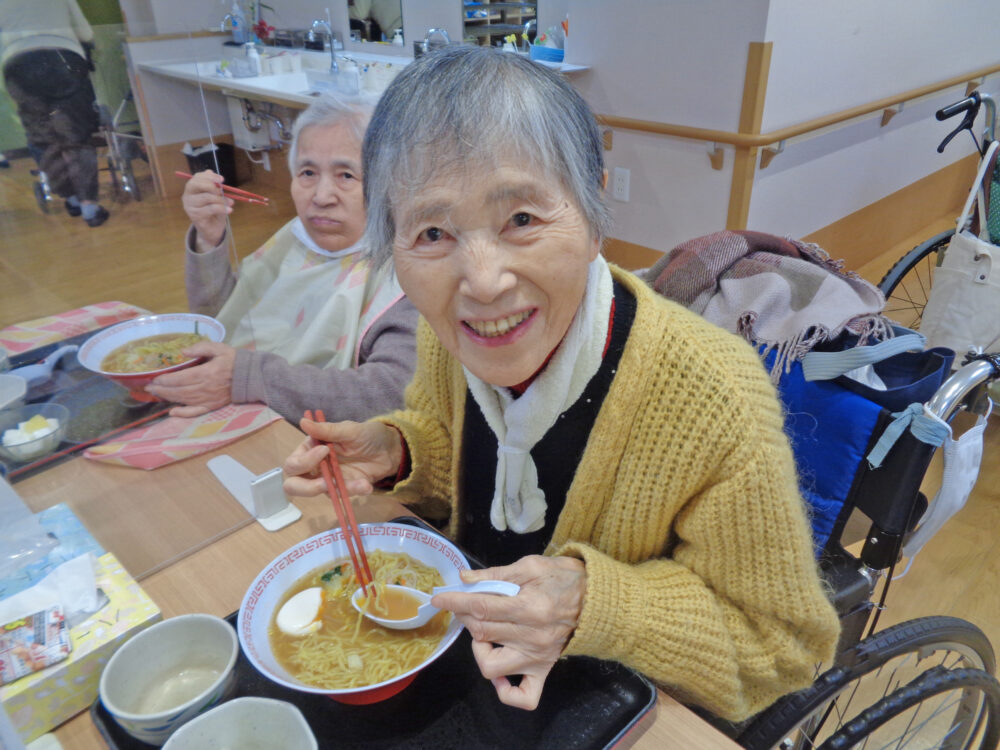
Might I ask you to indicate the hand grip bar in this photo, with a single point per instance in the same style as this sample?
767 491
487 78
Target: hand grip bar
969 102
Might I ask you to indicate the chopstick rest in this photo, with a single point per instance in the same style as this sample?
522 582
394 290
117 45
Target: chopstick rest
262 494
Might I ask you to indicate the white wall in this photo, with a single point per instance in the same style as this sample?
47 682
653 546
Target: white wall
680 62
684 61
828 57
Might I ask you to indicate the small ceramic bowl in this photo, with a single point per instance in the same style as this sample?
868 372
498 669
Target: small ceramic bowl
246 723
271 584
101 344
168 674
39 447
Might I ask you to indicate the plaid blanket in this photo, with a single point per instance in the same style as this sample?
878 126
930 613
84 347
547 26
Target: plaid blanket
779 294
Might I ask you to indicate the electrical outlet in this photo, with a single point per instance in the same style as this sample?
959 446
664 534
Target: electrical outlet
619 184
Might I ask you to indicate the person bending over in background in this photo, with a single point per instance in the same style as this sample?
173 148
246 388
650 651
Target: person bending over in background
46 73
310 324
620 458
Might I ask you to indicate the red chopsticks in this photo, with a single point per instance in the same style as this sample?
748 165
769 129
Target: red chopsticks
235 193
345 514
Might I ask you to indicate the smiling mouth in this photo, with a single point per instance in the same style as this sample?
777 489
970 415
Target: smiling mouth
492 328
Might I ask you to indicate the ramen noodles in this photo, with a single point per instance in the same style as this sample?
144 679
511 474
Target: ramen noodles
349 650
151 353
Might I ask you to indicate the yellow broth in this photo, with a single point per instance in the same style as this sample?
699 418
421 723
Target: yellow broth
150 353
349 650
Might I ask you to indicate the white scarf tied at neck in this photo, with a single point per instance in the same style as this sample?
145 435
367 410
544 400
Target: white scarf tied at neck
518 502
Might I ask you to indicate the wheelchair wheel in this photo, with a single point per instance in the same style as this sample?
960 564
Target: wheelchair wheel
958 706
865 674
907 285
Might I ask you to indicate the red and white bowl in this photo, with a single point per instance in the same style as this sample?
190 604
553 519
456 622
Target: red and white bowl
271 584
101 344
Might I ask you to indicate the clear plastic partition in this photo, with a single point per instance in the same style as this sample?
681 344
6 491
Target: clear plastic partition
177 92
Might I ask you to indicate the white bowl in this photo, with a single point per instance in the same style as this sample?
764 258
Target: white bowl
40 446
101 344
168 674
246 723
274 581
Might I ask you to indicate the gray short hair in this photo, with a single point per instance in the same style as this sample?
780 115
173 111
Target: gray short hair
463 107
326 111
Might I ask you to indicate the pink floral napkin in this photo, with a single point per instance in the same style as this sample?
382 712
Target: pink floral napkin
176 438
31 334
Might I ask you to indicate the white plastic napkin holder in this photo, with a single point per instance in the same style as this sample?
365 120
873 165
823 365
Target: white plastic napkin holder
261 494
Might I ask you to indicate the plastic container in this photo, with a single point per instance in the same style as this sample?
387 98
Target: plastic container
546 54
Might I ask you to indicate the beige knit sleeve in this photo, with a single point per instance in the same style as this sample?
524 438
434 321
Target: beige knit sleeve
425 423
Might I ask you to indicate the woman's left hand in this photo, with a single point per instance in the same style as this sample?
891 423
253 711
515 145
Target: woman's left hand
524 634
202 388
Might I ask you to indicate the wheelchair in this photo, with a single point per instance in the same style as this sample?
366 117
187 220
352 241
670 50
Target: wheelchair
920 684
923 683
121 146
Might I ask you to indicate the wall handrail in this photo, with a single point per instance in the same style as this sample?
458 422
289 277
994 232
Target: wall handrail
750 140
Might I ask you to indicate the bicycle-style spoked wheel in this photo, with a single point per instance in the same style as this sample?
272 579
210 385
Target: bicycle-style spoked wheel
943 709
866 674
907 285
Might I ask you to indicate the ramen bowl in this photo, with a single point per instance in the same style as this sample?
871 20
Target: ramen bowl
279 576
168 674
100 345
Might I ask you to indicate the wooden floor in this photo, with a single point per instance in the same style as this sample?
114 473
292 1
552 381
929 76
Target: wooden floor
52 262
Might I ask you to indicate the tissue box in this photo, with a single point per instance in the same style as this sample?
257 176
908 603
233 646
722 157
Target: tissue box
42 700
71 539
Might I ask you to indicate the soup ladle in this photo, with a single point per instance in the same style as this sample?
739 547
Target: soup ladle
426 610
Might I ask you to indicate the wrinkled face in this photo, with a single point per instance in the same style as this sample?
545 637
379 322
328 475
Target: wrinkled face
497 264
326 186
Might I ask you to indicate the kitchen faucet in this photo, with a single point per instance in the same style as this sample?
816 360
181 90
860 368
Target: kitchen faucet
334 68
527 29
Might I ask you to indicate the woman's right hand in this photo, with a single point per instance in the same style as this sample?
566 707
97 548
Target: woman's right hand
366 451
207 207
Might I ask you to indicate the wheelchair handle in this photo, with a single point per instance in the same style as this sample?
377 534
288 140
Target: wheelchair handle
963 381
970 102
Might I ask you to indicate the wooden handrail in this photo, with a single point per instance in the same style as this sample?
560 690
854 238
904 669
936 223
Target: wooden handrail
748 140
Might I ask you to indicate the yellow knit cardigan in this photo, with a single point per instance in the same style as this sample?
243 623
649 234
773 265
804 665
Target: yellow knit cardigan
684 507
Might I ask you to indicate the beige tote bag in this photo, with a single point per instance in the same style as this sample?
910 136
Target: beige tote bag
963 310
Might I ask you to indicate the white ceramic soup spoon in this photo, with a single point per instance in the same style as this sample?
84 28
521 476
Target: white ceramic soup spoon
404 596
41 372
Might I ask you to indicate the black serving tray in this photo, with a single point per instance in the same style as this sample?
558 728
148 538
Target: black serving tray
587 703
97 406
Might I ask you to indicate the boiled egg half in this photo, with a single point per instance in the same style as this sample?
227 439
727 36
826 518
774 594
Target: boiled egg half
301 614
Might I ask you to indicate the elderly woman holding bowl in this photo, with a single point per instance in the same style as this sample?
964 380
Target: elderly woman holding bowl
311 322
618 457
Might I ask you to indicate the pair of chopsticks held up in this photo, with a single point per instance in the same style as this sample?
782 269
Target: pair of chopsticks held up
235 193
330 469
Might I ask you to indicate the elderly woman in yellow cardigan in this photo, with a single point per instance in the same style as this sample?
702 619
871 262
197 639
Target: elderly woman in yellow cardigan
618 457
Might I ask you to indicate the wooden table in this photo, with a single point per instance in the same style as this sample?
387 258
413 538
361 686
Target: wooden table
213 578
